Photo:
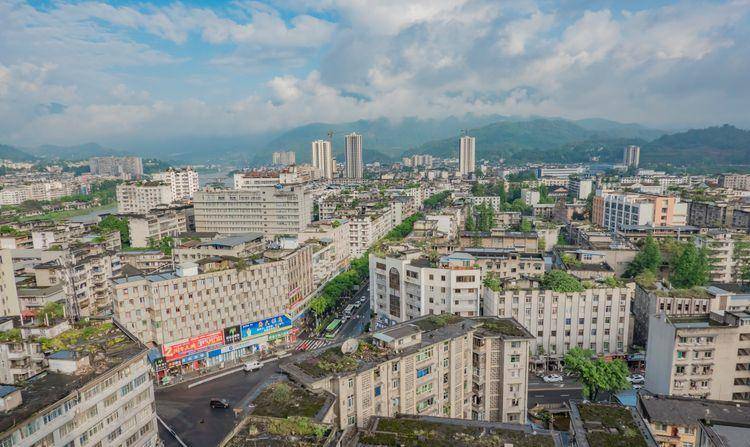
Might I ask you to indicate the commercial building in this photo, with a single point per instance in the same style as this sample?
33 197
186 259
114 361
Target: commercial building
406 285
98 391
432 366
142 197
322 158
631 156
215 310
467 155
184 182
354 167
284 158
271 210
122 167
706 356
614 210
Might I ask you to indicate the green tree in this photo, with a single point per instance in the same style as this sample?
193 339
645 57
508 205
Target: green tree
469 224
114 223
53 310
525 226
691 268
596 375
561 281
492 282
649 258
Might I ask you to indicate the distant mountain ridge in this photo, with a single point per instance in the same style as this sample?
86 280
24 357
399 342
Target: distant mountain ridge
14 154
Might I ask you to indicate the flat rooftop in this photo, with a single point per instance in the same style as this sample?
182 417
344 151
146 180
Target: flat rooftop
608 425
689 412
104 342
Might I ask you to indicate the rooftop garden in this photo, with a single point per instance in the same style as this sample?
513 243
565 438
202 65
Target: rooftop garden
502 327
437 321
87 337
414 432
294 431
610 426
333 361
282 400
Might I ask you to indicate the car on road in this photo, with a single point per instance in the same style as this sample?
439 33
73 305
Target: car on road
219 403
552 378
252 366
636 379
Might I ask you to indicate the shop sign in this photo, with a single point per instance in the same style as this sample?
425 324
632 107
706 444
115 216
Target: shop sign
173 363
232 334
215 353
263 326
160 364
278 335
194 357
193 345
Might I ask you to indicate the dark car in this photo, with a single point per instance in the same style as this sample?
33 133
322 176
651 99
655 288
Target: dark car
219 403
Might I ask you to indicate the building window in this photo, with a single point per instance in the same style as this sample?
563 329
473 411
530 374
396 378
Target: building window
377 391
421 372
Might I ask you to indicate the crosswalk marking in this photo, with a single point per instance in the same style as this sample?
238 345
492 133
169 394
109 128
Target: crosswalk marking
311 345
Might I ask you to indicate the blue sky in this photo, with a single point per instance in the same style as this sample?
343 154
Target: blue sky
72 72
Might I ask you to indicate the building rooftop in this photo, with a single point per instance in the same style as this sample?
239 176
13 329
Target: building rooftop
107 346
608 425
688 411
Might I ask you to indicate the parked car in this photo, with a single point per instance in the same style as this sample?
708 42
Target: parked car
252 366
219 403
636 379
552 378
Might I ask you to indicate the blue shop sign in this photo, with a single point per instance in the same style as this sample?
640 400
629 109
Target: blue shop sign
263 326
193 357
214 353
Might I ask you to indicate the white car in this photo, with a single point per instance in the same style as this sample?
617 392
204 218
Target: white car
552 378
252 366
636 379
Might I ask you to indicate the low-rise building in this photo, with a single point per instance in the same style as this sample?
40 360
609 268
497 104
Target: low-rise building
435 365
605 425
706 356
673 302
728 254
148 229
521 241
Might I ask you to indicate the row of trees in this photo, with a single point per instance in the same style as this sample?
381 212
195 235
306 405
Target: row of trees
480 218
437 201
689 265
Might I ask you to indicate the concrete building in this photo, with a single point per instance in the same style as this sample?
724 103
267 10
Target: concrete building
354 167
673 302
433 366
596 319
183 182
122 167
237 246
151 228
467 155
719 215
142 197
735 181
704 356
613 210
530 196
728 254
504 263
559 172
677 420
631 156
605 425
203 307
579 188
9 304
98 392
496 238
284 158
367 228
406 285
322 158
271 210
419 160
332 252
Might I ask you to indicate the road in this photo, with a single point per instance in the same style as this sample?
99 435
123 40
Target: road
553 393
356 324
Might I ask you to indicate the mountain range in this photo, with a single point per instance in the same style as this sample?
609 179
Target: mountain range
497 137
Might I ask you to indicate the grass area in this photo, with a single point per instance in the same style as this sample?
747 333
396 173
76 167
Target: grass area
437 321
694 292
610 426
282 400
88 337
294 431
414 432
66 214
502 327
332 360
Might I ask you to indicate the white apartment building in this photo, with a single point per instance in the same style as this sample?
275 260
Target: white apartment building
728 254
354 167
322 158
142 197
614 210
152 227
184 182
735 181
705 356
495 202
596 319
271 210
41 191
579 188
368 228
467 162
333 252
559 171
122 167
405 285
285 158
100 399
9 305
194 310
631 156
530 196
445 366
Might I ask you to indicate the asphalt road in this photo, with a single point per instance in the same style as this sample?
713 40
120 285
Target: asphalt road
541 392
356 325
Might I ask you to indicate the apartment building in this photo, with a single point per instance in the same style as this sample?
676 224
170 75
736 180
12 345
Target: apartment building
332 252
195 312
495 202
141 197
559 171
614 210
597 318
145 260
322 158
9 304
719 215
271 210
284 158
530 196
705 356
154 226
506 263
677 420
122 167
354 163
728 254
183 182
631 156
467 155
735 181
579 188
673 302
367 228
239 246
98 392
444 365
405 285
41 191
496 238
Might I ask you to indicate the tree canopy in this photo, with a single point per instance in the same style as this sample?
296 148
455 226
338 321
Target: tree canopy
561 281
596 375
648 259
691 268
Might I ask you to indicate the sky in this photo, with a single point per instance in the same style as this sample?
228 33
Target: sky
73 72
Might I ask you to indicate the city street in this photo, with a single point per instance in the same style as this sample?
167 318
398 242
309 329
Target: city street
553 393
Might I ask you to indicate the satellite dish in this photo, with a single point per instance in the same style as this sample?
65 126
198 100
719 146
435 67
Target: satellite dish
350 346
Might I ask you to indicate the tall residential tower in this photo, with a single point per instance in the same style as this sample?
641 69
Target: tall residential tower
322 158
466 155
354 165
631 156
